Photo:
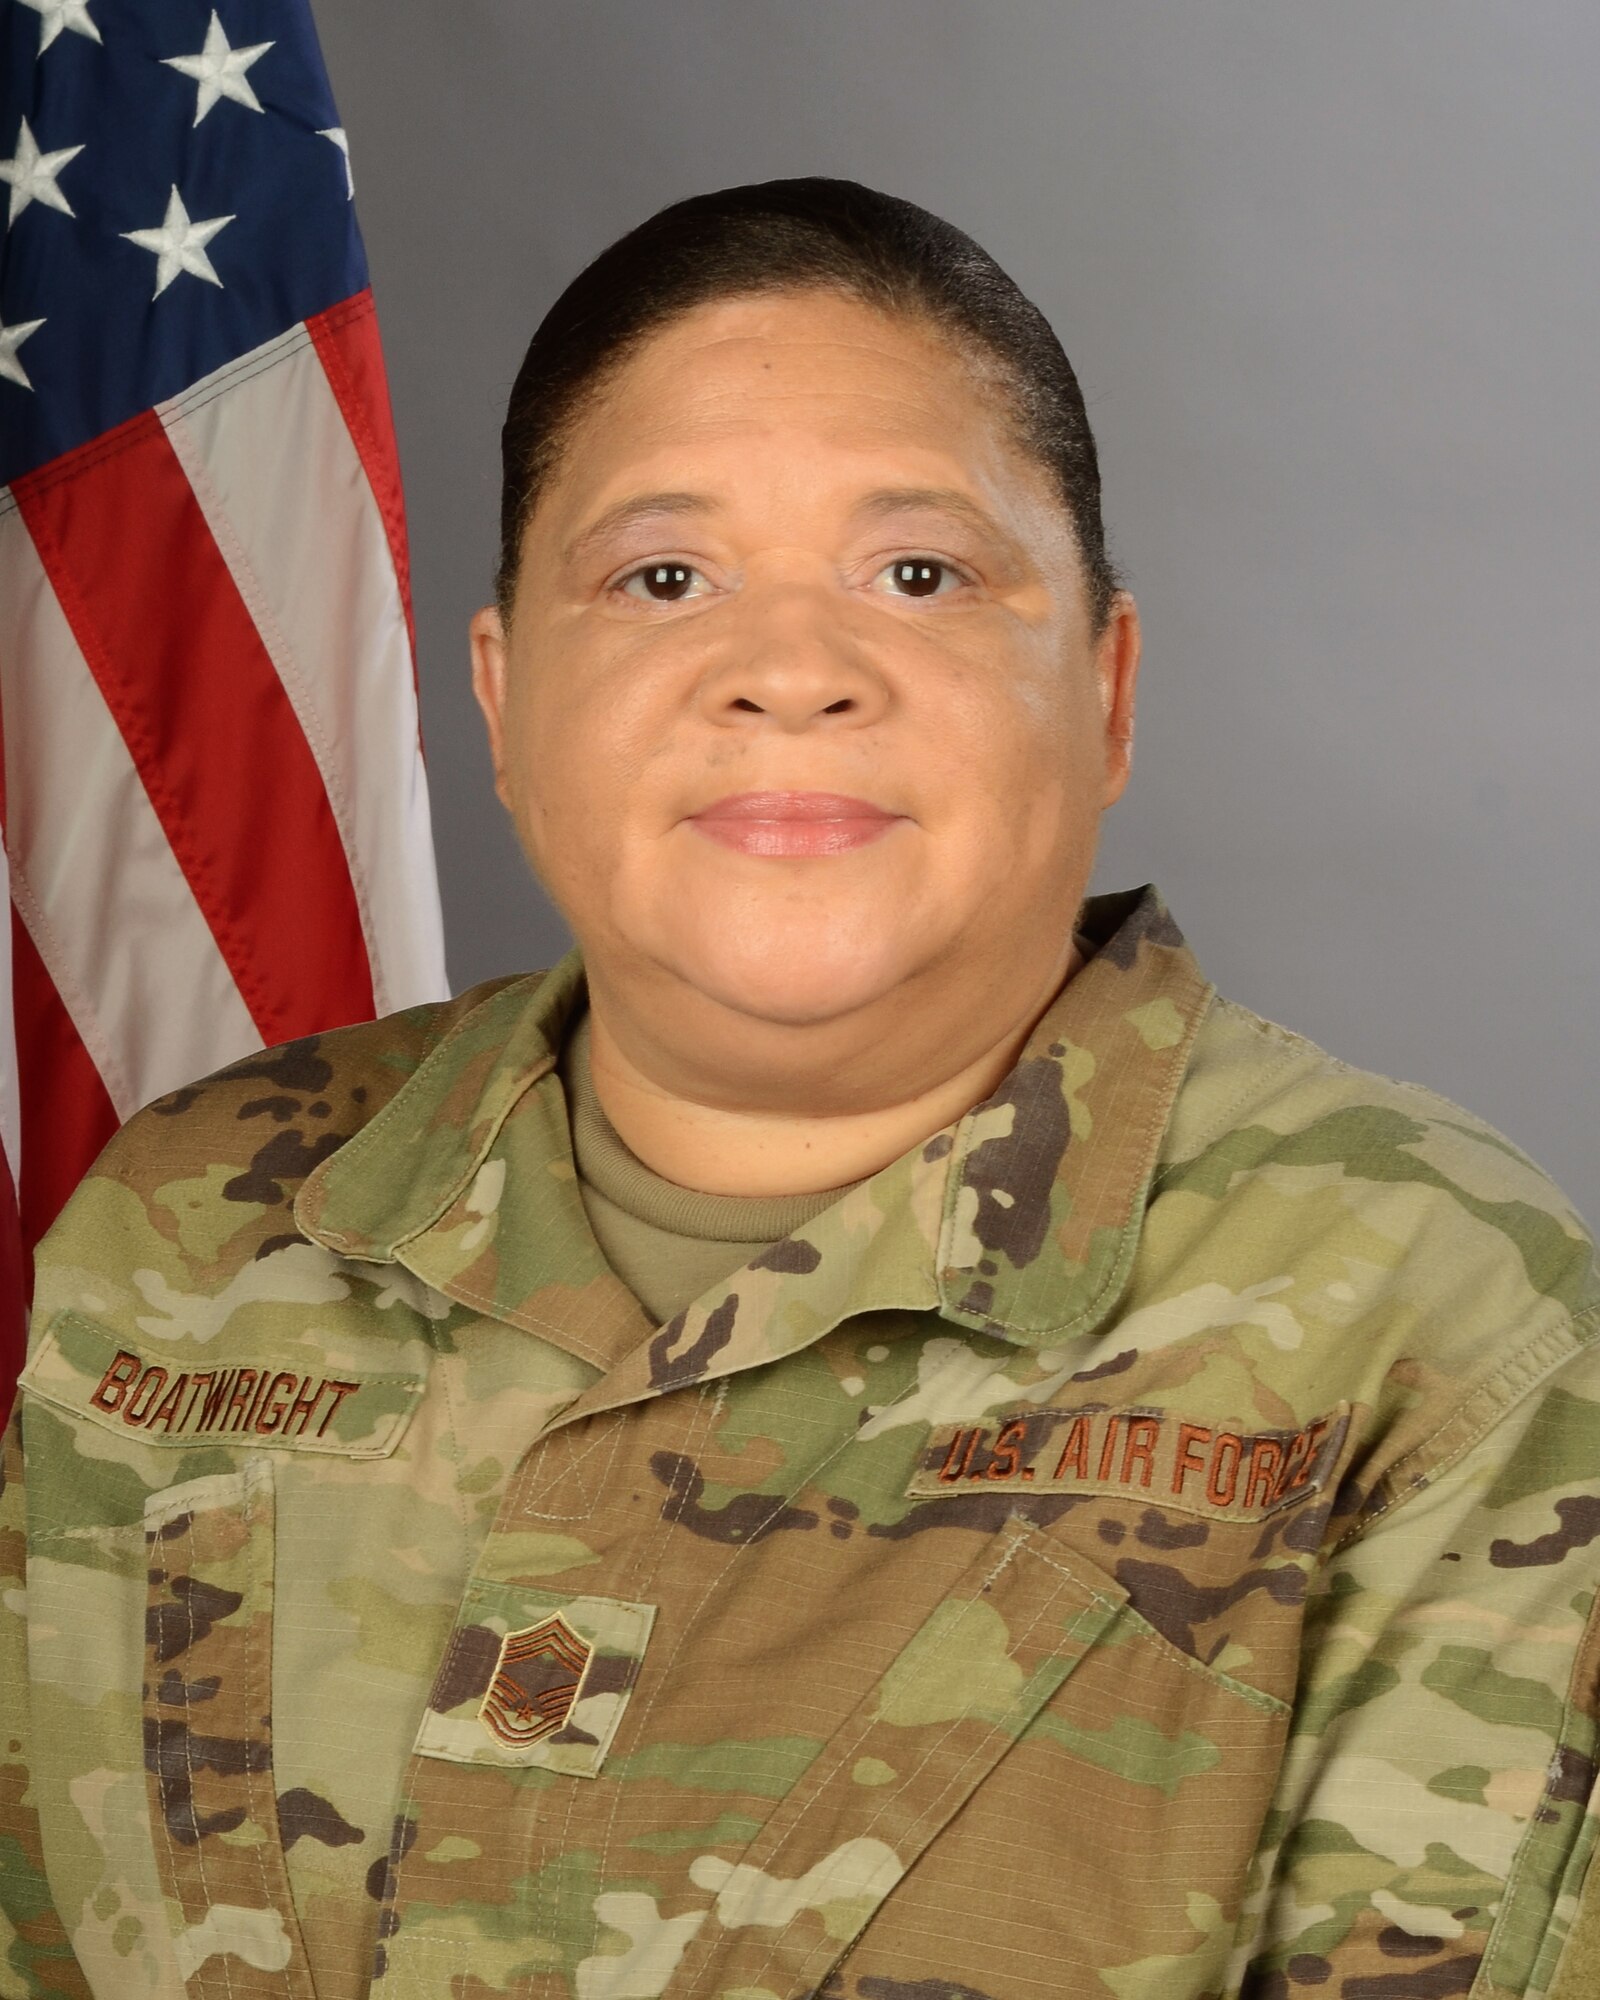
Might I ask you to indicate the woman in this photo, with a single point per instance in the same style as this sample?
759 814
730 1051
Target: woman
860 1436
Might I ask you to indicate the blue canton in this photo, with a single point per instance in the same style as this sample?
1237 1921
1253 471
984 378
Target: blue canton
174 191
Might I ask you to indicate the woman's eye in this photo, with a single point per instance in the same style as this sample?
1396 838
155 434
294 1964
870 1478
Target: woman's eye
663 583
920 576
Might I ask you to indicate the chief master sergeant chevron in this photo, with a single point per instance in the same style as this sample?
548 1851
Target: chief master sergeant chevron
866 1436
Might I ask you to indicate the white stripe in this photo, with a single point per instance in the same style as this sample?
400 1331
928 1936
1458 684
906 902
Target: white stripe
272 464
92 875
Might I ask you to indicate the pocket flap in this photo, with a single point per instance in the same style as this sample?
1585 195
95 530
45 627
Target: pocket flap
959 1694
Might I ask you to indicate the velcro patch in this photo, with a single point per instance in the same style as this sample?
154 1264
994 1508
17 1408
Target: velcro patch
533 1678
1151 1455
82 1367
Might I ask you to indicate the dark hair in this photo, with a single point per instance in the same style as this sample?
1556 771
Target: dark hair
779 236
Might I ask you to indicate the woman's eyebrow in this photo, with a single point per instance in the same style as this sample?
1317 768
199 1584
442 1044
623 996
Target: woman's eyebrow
1006 548
637 507
925 499
877 505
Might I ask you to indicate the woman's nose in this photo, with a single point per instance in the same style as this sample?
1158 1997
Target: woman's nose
794 658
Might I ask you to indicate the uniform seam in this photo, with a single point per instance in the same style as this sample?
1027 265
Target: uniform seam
1254 1086
461 1499
1253 1697
1097 1591
252 1521
525 1485
186 1544
263 1798
919 1820
863 1728
1418 1481
1158 1641
1441 1109
1570 1708
707 1404
587 1476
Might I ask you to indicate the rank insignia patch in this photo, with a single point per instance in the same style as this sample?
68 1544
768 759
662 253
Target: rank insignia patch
535 1682
535 1677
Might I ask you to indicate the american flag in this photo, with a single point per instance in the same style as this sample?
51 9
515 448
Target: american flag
215 813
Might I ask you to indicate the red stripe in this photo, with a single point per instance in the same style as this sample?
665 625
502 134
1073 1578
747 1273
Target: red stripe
218 747
66 1115
13 1291
346 340
13 1257
14 1285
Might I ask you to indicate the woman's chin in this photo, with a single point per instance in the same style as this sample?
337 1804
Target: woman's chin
793 985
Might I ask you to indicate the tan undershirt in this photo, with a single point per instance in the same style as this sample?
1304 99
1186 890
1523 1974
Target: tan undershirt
667 1244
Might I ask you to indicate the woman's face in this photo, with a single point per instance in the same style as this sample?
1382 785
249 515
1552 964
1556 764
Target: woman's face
800 704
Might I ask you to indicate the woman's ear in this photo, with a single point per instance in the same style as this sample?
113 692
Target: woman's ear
1117 671
488 640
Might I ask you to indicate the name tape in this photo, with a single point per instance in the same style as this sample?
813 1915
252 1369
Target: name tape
1136 1454
261 1403
264 1401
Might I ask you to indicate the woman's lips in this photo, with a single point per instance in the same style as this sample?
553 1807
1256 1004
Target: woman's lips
793 822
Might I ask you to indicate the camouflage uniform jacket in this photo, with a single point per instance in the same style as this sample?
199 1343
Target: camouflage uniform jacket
1141 1543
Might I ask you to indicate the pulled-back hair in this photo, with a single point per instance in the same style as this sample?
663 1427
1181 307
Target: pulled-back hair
781 236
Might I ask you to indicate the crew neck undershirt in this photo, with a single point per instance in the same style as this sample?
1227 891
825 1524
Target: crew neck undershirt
667 1243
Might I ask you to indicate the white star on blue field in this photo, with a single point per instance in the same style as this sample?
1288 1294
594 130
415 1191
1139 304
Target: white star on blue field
174 191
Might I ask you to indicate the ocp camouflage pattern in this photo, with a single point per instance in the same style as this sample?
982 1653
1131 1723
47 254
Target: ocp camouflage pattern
1142 1543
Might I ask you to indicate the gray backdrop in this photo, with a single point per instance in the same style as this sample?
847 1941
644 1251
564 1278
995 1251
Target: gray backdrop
1329 277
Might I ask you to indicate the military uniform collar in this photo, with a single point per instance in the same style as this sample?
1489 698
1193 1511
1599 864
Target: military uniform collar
1019 1220
1049 1177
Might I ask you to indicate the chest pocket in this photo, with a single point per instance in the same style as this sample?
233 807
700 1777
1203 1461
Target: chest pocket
208 1737
1043 1795
965 1690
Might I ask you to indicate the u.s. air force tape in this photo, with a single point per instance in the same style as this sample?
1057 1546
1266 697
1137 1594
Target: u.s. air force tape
1153 1455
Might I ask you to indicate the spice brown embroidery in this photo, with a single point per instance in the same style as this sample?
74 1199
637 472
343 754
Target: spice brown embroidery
211 1401
535 1683
1151 1455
